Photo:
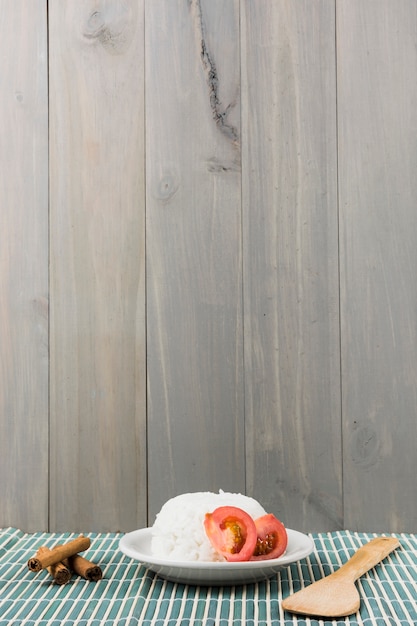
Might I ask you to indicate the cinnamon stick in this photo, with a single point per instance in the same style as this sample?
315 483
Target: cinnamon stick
59 571
57 554
85 568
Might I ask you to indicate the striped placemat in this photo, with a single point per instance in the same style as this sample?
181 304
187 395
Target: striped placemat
128 594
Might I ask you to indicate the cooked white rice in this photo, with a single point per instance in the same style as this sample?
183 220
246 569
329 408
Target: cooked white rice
178 532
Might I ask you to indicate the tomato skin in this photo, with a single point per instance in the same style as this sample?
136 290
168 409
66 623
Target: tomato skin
232 533
272 538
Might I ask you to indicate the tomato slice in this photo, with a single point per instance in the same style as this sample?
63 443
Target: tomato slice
271 540
232 532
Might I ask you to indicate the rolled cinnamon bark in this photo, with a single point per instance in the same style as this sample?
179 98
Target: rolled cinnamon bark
85 568
57 554
59 571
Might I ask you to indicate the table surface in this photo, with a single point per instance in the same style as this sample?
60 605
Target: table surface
129 594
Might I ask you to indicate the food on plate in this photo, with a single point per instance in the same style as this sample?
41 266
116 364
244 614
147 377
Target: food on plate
206 526
237 537
272 538
232 532
178 531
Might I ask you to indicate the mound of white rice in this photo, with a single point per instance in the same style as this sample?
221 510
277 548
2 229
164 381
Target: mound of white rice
178 532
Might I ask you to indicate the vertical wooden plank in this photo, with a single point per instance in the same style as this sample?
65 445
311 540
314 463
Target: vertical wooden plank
24 265
377 96
98 405
292 379
194 313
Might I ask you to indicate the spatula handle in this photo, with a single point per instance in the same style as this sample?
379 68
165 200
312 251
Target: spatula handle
367 557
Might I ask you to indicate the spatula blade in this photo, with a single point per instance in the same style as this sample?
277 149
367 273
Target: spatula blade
336 595
326 598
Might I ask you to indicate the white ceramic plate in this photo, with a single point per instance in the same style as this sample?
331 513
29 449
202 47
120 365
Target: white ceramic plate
137 545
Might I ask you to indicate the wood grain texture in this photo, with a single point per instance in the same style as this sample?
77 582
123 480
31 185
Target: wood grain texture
98 390
292 377
241 313
377 95
194 293
24 265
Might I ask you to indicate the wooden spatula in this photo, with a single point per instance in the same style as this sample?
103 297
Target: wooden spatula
336 595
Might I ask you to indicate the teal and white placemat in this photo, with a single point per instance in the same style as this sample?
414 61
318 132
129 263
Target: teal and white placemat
129 595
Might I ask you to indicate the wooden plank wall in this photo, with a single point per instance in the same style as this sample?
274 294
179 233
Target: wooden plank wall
194 255
377 96
292 361
97 244
23 265
224 240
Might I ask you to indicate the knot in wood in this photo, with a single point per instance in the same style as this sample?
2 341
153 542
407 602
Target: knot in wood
111 26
